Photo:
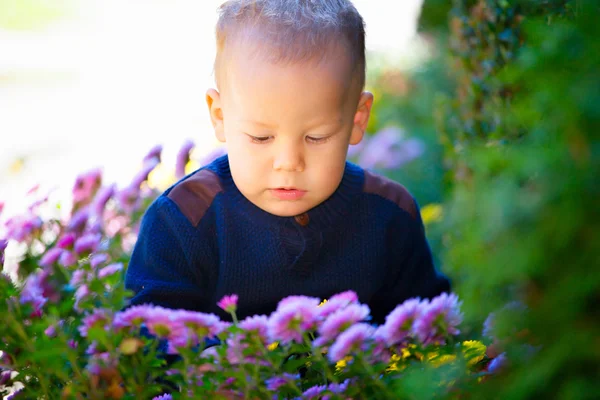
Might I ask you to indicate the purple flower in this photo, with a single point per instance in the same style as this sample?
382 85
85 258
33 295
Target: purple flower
66 241
78 277
399 323
5 377
183 157
258 326
294 316
142 175
102 197
17 394
81 292
79 220
110 270
438 319
163 397
387 149
88 243
188 327
314 392
50 331
277 382
22 227
33 291
353 339
98 259
228 303
67 259
98 318
497 364
3 245
129 199
50 257
341 320
161 322
154 154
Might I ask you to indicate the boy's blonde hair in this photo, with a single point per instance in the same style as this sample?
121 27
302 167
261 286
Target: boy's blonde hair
291 31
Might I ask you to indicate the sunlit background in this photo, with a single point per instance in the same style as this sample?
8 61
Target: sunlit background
97 83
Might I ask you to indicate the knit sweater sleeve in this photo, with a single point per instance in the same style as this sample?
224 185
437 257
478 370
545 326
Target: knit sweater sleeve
411 272
170 263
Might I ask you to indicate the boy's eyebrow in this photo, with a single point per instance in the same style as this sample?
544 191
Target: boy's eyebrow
269 126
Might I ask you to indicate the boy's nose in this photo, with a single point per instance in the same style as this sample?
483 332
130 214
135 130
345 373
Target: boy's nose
289 159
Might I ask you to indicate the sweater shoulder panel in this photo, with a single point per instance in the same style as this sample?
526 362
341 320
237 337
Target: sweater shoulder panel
195 194
390 190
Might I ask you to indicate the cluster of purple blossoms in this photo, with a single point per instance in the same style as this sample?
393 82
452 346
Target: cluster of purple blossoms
295 315
324 392
427 321
276 382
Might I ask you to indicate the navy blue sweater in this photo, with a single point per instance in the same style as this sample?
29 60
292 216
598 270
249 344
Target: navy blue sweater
202 239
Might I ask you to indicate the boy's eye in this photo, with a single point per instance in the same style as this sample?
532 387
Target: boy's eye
260 139
317 139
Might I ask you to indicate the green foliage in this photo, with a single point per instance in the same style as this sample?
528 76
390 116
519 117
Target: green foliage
523 157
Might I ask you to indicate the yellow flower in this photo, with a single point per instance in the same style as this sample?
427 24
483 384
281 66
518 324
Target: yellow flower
161 177
431 213
273 346
340 365
323 302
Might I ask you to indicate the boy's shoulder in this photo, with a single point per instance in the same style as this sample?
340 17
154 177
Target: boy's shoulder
195 193
379 185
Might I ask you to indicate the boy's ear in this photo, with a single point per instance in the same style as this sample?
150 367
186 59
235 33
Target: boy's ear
361 118
213 100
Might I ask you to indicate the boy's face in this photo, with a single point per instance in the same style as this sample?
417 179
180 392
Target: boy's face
287 127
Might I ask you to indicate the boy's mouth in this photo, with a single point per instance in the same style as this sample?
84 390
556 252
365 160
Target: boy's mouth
288 193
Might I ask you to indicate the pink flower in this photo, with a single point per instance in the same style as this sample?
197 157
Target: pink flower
399 323
183 157
66 241
438 319
339 321
129 199
81 293
86 185
193 327
99 318
352 340
228 303
161 322
132 317
110 270
294 316
78 277
258 326
337 302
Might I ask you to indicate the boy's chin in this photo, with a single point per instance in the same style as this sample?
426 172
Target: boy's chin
286 208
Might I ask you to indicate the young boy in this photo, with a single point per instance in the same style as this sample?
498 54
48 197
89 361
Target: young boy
284 213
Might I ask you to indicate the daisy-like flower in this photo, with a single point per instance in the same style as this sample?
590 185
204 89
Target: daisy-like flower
337 302
438 319
339 321
399 323
228 303
353 339
110 270
99 317
258 326
162 322
133 317
292 318
188 328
